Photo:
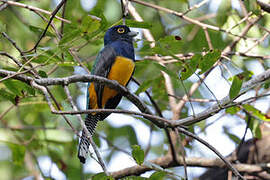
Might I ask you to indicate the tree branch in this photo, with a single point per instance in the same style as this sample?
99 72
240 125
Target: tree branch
32 8
190 20
254 82
167 162
53 14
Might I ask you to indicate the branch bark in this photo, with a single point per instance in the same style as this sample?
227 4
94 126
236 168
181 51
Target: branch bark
254 82
167 162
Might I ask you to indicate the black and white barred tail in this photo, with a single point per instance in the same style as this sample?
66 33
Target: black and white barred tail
91 123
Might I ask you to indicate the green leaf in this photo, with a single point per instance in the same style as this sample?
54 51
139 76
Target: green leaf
190 67
202 126
146 49
136 24
253 6
96 33
165 69
255 112
159 175
39 31
232 110
42 74
7 95
209 60
144 86
223 9
70 35
254 126
138 154
127 132
233 137
102 176
3 27
18 87
169 45
27 88
104 22
18 153
13 86
55 152
37 58
90 24
97 140
235 87
56 135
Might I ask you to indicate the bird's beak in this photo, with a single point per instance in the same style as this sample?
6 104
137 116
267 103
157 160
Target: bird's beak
133 33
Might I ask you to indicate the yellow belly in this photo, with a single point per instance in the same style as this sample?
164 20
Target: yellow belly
92 97
121 71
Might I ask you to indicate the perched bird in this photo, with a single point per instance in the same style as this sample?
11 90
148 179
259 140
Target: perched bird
116 62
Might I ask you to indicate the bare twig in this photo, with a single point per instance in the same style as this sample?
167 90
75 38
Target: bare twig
196 6
48 99
6 111
12 58
229 165
157 109
32 8
168 83
48 24
208 38
255 81
190 20
167 162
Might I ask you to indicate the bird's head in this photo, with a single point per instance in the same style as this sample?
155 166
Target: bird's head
120 32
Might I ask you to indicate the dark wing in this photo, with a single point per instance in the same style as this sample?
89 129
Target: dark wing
102 66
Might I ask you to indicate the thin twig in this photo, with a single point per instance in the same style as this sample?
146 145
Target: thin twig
208 39
182 149
32 8
6 111
190 20
48 24
157 109
196 6
229 165
255 81
168 83
48 99
12 58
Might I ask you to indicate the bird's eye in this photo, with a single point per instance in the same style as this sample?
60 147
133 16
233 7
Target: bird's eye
121 30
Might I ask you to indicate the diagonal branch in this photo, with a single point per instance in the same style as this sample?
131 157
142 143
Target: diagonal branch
254 82
49 23
167 162
32 8
190 20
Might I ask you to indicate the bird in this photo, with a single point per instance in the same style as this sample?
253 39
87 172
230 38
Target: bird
116 61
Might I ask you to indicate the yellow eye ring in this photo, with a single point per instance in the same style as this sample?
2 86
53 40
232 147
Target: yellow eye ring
121 30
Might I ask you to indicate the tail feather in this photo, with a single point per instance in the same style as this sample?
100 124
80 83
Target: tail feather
91 123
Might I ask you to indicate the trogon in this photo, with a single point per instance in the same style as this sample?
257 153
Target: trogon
115 62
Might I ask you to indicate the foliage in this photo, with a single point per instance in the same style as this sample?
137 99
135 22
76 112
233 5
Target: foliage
30 132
